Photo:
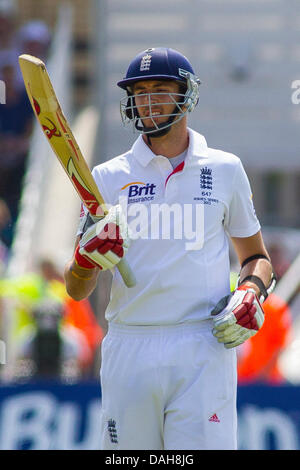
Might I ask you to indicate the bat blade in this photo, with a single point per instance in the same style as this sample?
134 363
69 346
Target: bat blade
55 127
58 133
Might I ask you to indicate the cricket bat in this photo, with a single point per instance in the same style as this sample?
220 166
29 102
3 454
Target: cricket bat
59 135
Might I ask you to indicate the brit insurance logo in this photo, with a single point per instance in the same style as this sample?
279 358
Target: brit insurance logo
138 191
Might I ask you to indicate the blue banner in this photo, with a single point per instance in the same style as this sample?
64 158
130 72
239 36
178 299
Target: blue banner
269 417
60 416
50 416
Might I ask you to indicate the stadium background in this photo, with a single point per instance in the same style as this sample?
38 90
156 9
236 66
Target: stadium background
247 55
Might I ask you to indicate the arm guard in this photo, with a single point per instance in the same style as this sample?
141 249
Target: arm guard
264 290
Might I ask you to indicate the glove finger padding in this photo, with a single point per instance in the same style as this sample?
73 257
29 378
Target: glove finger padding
107 241
240 340
240 319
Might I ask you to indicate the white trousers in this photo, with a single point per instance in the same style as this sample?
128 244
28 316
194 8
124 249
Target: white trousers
167 387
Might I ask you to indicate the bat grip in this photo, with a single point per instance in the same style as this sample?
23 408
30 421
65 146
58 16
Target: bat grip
123 267
126 273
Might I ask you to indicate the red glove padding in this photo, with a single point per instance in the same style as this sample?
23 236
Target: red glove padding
237 317
244 313
109 239
82 261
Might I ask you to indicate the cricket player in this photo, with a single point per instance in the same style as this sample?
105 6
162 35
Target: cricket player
168 373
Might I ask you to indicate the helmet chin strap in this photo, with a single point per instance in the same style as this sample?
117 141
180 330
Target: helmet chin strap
158 133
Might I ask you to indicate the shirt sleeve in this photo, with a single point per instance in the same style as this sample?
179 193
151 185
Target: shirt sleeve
241 220
99 174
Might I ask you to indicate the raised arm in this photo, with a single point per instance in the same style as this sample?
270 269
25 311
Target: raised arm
80 282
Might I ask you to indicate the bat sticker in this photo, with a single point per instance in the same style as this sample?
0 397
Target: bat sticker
59 117
36 106
89 199
51 132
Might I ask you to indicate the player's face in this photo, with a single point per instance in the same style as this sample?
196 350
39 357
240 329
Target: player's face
154 98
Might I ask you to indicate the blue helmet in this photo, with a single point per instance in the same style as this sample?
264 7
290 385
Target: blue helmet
160 63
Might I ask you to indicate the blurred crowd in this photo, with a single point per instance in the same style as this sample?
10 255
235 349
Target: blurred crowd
259 357
16 115
52 336
49 334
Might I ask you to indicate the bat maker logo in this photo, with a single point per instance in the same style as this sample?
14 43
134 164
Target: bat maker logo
49 131
86 194
139 191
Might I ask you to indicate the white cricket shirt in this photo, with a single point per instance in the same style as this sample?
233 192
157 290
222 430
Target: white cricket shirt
182 267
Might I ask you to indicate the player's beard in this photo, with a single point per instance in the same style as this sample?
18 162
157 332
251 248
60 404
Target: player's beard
152 132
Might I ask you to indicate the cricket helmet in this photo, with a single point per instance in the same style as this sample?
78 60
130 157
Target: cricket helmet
160 63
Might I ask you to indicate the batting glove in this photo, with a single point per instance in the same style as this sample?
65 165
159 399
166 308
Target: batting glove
105 242
237 317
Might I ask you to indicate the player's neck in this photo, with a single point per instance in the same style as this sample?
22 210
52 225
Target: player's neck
170 145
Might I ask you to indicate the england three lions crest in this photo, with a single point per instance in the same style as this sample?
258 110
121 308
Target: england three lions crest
145 63
206 179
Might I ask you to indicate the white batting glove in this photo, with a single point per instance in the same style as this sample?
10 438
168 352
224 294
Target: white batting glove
237 317
105 242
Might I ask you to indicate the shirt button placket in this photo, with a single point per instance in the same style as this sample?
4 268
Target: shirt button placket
165 169
172 188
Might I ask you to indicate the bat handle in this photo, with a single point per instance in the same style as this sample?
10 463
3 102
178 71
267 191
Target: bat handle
126 273
123 267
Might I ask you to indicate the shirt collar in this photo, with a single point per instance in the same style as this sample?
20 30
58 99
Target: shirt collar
142 152
197 145
144 155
